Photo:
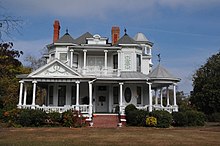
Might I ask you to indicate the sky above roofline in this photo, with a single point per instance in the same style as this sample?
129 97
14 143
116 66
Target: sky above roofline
185 33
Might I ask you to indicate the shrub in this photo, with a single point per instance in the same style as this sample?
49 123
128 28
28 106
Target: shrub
164 118
130 108
53 119
72 118
31 117
180 119
136 118
141 117
215 117
195 118
151 121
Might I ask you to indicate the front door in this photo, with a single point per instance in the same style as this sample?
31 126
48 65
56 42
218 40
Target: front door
61 95
102 99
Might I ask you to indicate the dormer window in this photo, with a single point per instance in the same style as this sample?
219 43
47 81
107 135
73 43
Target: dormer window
147 50
63 57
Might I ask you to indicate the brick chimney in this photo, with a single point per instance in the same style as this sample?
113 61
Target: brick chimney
115 34
56 30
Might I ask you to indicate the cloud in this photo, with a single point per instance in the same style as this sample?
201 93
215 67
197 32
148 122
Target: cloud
100 8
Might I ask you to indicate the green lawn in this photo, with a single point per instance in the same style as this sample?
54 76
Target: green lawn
200 136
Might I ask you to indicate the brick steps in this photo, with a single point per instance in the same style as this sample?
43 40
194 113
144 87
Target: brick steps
105 120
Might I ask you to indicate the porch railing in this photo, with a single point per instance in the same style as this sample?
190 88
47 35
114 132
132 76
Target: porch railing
84 109
170 108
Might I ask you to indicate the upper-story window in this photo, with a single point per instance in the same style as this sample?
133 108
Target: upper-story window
115 61
147 50
138 58
75 60
63 57
52 56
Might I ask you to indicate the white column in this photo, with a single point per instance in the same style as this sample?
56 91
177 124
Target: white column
168 97
174 94
156 98
21 93
90 100
150 97
34 92
121 96
106 59
71 58
77 95
84 62
119 62
161 97
25 94
174 98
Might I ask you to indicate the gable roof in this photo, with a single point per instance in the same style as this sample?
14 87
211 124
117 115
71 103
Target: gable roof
126 39
66 38
55 69
160 73
82 38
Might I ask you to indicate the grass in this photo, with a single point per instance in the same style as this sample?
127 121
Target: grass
199 136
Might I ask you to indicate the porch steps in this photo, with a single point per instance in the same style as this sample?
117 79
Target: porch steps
105 120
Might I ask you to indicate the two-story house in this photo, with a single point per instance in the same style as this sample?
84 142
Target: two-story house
93 75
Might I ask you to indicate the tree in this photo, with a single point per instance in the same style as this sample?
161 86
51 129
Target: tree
10 66
206 86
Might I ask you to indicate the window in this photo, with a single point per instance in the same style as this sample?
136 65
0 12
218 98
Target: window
115 61
75 60
138 63
115 95
138 95
52 56
73 95
127 94
50 95
61 95
63 57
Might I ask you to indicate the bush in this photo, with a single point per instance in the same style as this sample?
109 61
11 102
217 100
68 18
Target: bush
180 119
54 119
130 108
136 118
72 118
215 117
195 118
31 117
164 118
151 121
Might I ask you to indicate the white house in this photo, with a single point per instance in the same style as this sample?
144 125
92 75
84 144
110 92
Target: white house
93 75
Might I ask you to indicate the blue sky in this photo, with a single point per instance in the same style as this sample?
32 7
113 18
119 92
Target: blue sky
184 32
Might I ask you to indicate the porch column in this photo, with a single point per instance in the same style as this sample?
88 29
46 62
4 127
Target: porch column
150 97
84 63
156 98
34 93
90 100
119 62
77 95
168 97
71 58
121 95
174 98
174 94
106 68
25 94
21 93
161 97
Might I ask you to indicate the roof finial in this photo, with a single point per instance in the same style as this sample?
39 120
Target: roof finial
125 30
159 58
66 30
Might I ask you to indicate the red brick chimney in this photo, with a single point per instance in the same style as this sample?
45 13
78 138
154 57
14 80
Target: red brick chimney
56 30
115 34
